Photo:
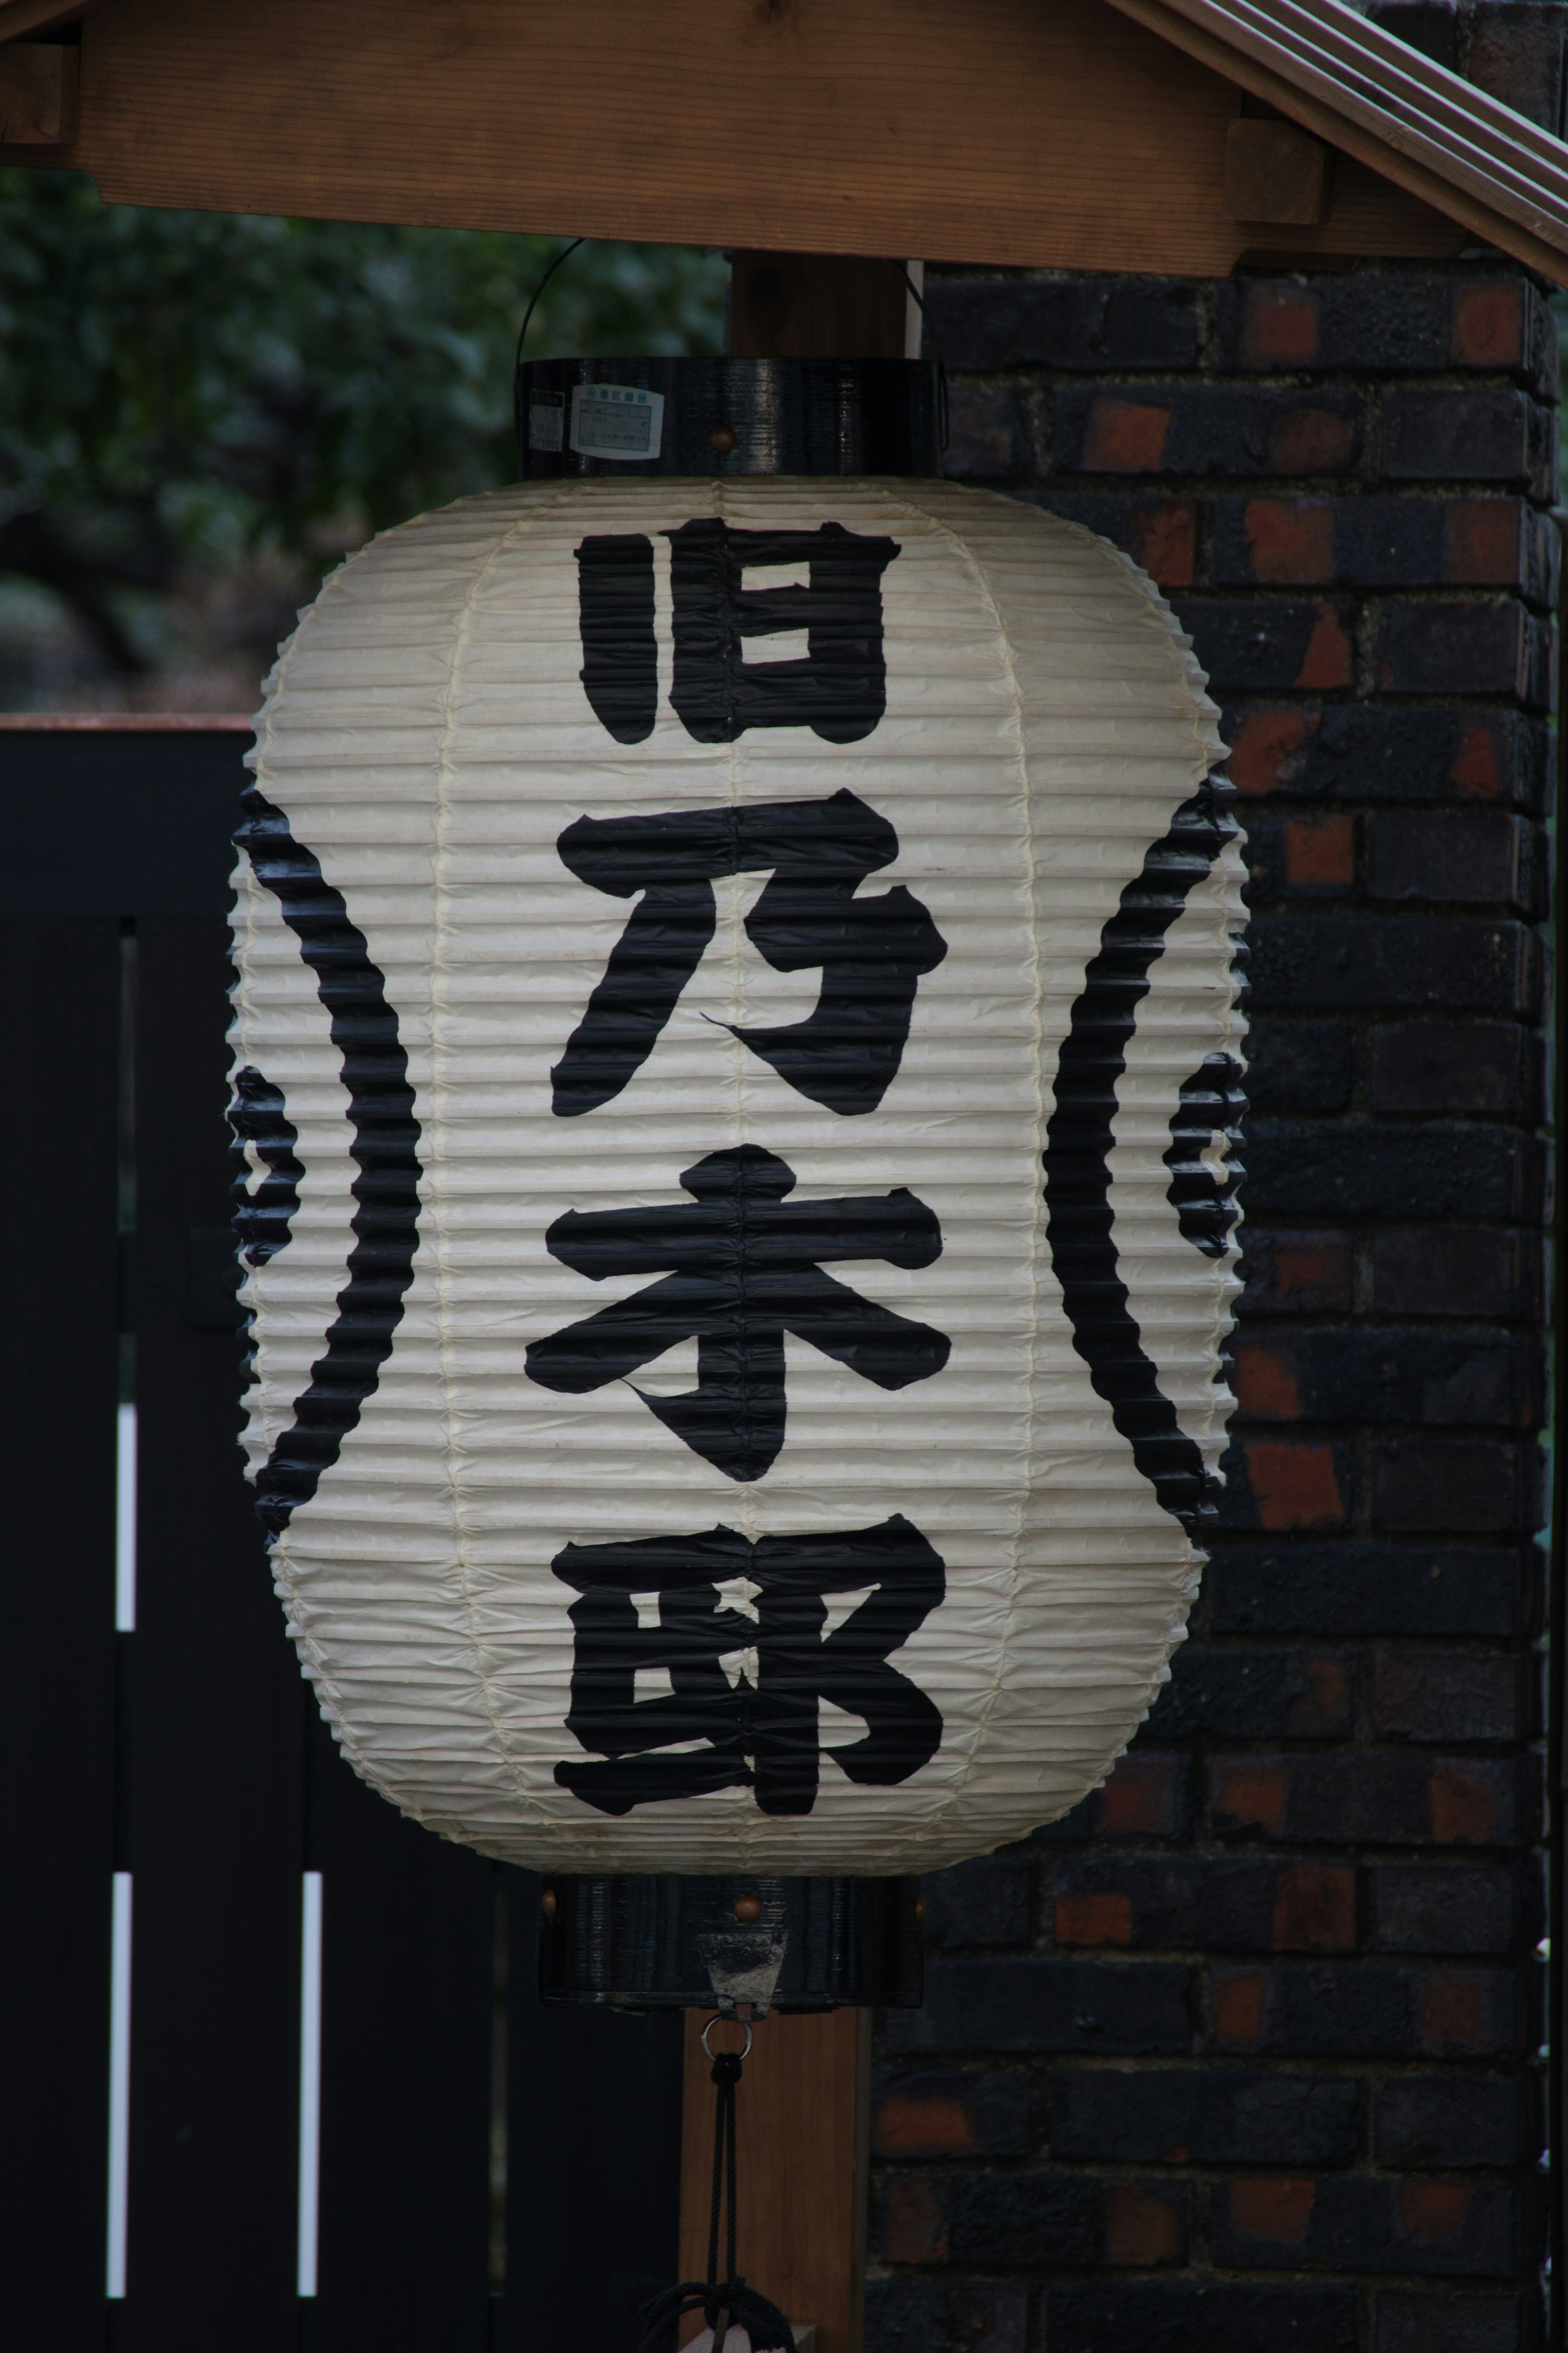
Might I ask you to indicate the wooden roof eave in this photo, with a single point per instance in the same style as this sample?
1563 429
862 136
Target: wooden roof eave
1440 139
19 17
1362 89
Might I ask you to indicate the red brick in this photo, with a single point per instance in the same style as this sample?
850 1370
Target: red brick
1434 2209
1329 661
1477 770
1279 328
1125 437
1453 2007
1484 543
1255 1794
1291 541
1323 1707
1104 1920
1264 745
1295 1486
948 2112
1488 325
920 2127
1298 1273
1140 2229
1312 440
1163 540
1465 1806
1320 851
1314 1909
1239 2006
1158 534
1141 1798
1272 2208
1265 1382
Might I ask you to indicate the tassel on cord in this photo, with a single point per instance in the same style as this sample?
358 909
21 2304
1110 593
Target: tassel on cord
724 2302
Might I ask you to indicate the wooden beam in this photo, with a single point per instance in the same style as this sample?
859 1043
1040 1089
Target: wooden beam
1033 133
37 94
803 2113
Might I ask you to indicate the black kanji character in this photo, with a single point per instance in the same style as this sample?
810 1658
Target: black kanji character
762 1734
839 690
620 653
744 1270
872 951
263 1209
1212 1101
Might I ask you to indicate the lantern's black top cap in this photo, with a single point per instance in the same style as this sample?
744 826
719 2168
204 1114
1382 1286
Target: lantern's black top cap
726 416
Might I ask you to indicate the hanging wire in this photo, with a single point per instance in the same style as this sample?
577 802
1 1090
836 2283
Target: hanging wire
564 254
941 420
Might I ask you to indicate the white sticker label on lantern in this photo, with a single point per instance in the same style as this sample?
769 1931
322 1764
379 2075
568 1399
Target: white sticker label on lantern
616 421
545 418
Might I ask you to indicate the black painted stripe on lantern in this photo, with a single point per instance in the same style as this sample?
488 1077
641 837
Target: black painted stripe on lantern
1079 1218
385 1135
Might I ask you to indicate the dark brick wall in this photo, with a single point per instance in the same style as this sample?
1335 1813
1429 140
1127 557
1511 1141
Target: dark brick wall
1241 2056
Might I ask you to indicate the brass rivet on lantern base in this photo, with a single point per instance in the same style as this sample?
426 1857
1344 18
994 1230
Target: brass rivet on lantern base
748 1907
723 439
547 1903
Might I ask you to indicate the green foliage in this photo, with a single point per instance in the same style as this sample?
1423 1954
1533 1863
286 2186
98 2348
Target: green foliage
185 388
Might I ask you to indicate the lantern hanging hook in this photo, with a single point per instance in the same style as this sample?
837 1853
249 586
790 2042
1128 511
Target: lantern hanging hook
718 2019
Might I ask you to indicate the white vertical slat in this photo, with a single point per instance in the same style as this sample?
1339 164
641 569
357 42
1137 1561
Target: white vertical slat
118 2085
125 1522
310 2079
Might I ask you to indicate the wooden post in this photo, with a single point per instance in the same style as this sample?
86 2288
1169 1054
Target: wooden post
803 2104
818 306
803 2115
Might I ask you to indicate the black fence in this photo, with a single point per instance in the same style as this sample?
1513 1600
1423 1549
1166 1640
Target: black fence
491 2174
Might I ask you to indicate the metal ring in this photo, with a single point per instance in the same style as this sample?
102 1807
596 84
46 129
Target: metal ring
716 2020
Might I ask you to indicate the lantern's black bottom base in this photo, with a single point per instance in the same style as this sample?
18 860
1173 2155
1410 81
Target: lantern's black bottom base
742 1946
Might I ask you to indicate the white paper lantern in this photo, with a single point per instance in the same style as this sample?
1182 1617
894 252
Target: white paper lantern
821 1364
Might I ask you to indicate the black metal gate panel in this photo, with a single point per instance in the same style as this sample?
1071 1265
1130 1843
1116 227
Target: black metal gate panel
275 2074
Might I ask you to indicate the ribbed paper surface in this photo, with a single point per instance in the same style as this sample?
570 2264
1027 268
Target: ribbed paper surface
427 739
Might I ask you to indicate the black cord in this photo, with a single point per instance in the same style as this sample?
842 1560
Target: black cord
564 254
728 2299
942 419
519 420
726 2075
